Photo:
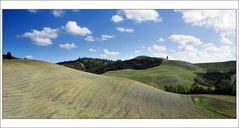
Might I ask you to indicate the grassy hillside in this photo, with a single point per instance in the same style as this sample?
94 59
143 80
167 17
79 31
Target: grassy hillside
219 66
224 105
170 72
36 89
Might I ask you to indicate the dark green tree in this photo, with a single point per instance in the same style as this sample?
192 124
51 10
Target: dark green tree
9 55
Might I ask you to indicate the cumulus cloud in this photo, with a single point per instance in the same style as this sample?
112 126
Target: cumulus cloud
192 49
185 39
42 37
185 42
117 18
92 50
58 12
161 40
73 28
121 29
157 48
29 57
68 46
140 16
106 37
89 39
222 21
107 53
225 40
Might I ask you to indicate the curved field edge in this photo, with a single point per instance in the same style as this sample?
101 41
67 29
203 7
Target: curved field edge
221 104
36 89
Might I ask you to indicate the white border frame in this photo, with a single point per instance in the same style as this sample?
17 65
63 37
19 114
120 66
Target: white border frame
19 4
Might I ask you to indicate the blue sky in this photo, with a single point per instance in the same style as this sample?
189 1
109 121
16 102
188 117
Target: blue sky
60 35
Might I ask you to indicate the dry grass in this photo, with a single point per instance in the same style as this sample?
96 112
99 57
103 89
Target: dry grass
36 89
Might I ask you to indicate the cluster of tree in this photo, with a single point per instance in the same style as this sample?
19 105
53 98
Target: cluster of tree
99 66
8 56
223 82
176 89
194 89
226 89
208 83
88 64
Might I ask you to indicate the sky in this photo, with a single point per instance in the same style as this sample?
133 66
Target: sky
196 36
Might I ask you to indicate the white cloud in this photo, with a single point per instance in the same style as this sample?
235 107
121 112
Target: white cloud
192 49
68 46
33 10
140 16
107 53
106 37
89 39
225 40
157 48
92 50
222 21
185 39
121 29
42 37
58 12
72 28
161 40
117 18
29 57
186 42
207 53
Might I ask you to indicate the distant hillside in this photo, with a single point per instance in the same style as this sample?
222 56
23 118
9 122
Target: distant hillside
169 73
99 66
36 89
184 77
219 66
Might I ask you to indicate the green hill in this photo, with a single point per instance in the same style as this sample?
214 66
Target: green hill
36 89
169 73
183 77
219 66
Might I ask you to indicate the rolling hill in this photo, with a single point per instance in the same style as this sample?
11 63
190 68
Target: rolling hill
219 66
169 73
183 77
36 89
